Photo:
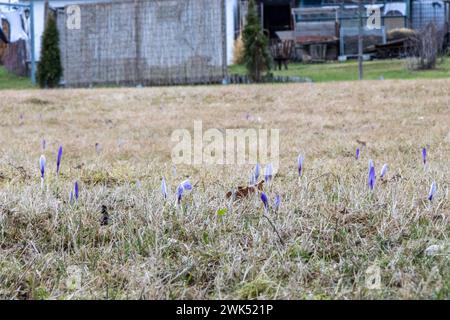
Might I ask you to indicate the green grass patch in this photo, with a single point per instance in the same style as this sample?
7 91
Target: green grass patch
347 71
11 81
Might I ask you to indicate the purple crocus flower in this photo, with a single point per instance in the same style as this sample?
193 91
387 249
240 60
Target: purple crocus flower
58 159
268 173
76 190
265 201
164 188
277 202
432 192
357 153
424 155
71 197
300 160
184 186
180 191
42 166
370 164
371 178
44 144
383 170
256 172
42 169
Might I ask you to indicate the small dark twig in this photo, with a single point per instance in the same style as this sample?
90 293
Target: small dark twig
274 229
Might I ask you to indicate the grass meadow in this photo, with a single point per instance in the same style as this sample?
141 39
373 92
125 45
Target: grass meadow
392 69
11 81
122 240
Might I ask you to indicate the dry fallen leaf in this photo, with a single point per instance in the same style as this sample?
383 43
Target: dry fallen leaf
243 192
363 143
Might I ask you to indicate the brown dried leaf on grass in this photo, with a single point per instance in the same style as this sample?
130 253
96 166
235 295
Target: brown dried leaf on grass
245 191
361 142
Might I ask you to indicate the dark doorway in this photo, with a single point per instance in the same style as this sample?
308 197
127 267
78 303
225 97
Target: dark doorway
277 18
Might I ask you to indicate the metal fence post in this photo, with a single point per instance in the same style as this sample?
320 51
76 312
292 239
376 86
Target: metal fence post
33 57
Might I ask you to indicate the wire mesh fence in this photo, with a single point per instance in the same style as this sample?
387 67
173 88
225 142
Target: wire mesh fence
424 12
145 42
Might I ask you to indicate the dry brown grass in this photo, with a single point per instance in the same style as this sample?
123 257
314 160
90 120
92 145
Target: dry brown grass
332 228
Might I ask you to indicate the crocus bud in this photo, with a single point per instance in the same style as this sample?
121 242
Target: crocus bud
164 188
265 201
432 192
300 160
277 202
42 166
383 170
256 172
76 191
268 173
371 177
58 159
